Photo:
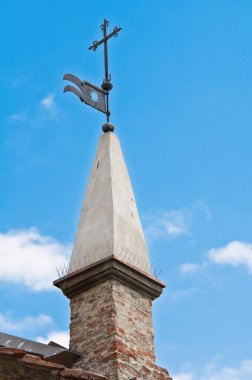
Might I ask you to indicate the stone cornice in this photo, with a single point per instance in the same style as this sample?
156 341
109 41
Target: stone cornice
109 268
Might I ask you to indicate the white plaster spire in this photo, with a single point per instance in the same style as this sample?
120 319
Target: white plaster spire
109 222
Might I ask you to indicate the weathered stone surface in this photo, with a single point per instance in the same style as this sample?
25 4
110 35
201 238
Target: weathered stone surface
111 327
109 222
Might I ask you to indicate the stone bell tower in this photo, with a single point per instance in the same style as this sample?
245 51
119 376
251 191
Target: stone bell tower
109 281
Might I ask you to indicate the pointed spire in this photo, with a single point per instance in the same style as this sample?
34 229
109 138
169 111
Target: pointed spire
109 222
109 282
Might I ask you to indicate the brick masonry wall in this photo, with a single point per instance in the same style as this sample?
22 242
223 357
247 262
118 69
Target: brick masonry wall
17 364
111 327
12 370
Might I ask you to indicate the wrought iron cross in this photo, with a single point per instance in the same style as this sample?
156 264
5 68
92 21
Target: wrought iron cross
106 85
89 93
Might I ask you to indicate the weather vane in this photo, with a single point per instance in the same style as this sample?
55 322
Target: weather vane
89 93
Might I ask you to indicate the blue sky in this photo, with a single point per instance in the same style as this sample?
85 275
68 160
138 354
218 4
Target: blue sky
181 104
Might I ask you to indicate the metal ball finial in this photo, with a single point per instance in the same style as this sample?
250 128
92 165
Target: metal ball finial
108 127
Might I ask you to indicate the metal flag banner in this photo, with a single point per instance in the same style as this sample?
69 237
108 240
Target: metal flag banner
89 93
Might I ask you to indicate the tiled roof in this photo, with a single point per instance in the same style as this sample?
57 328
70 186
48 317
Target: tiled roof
51 352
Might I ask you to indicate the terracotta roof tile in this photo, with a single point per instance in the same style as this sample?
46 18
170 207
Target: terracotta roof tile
18 353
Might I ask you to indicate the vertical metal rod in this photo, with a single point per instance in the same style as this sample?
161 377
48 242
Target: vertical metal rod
105 50
106 64
107 101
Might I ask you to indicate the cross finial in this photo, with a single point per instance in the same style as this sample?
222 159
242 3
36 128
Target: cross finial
87 92
106 85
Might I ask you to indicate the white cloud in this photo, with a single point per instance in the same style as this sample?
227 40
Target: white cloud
49 106
175 223
183 376
17 117
212 372
243 372
10 325
189 268
29 258
235 253
60 337
181 293
48 102
167 224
